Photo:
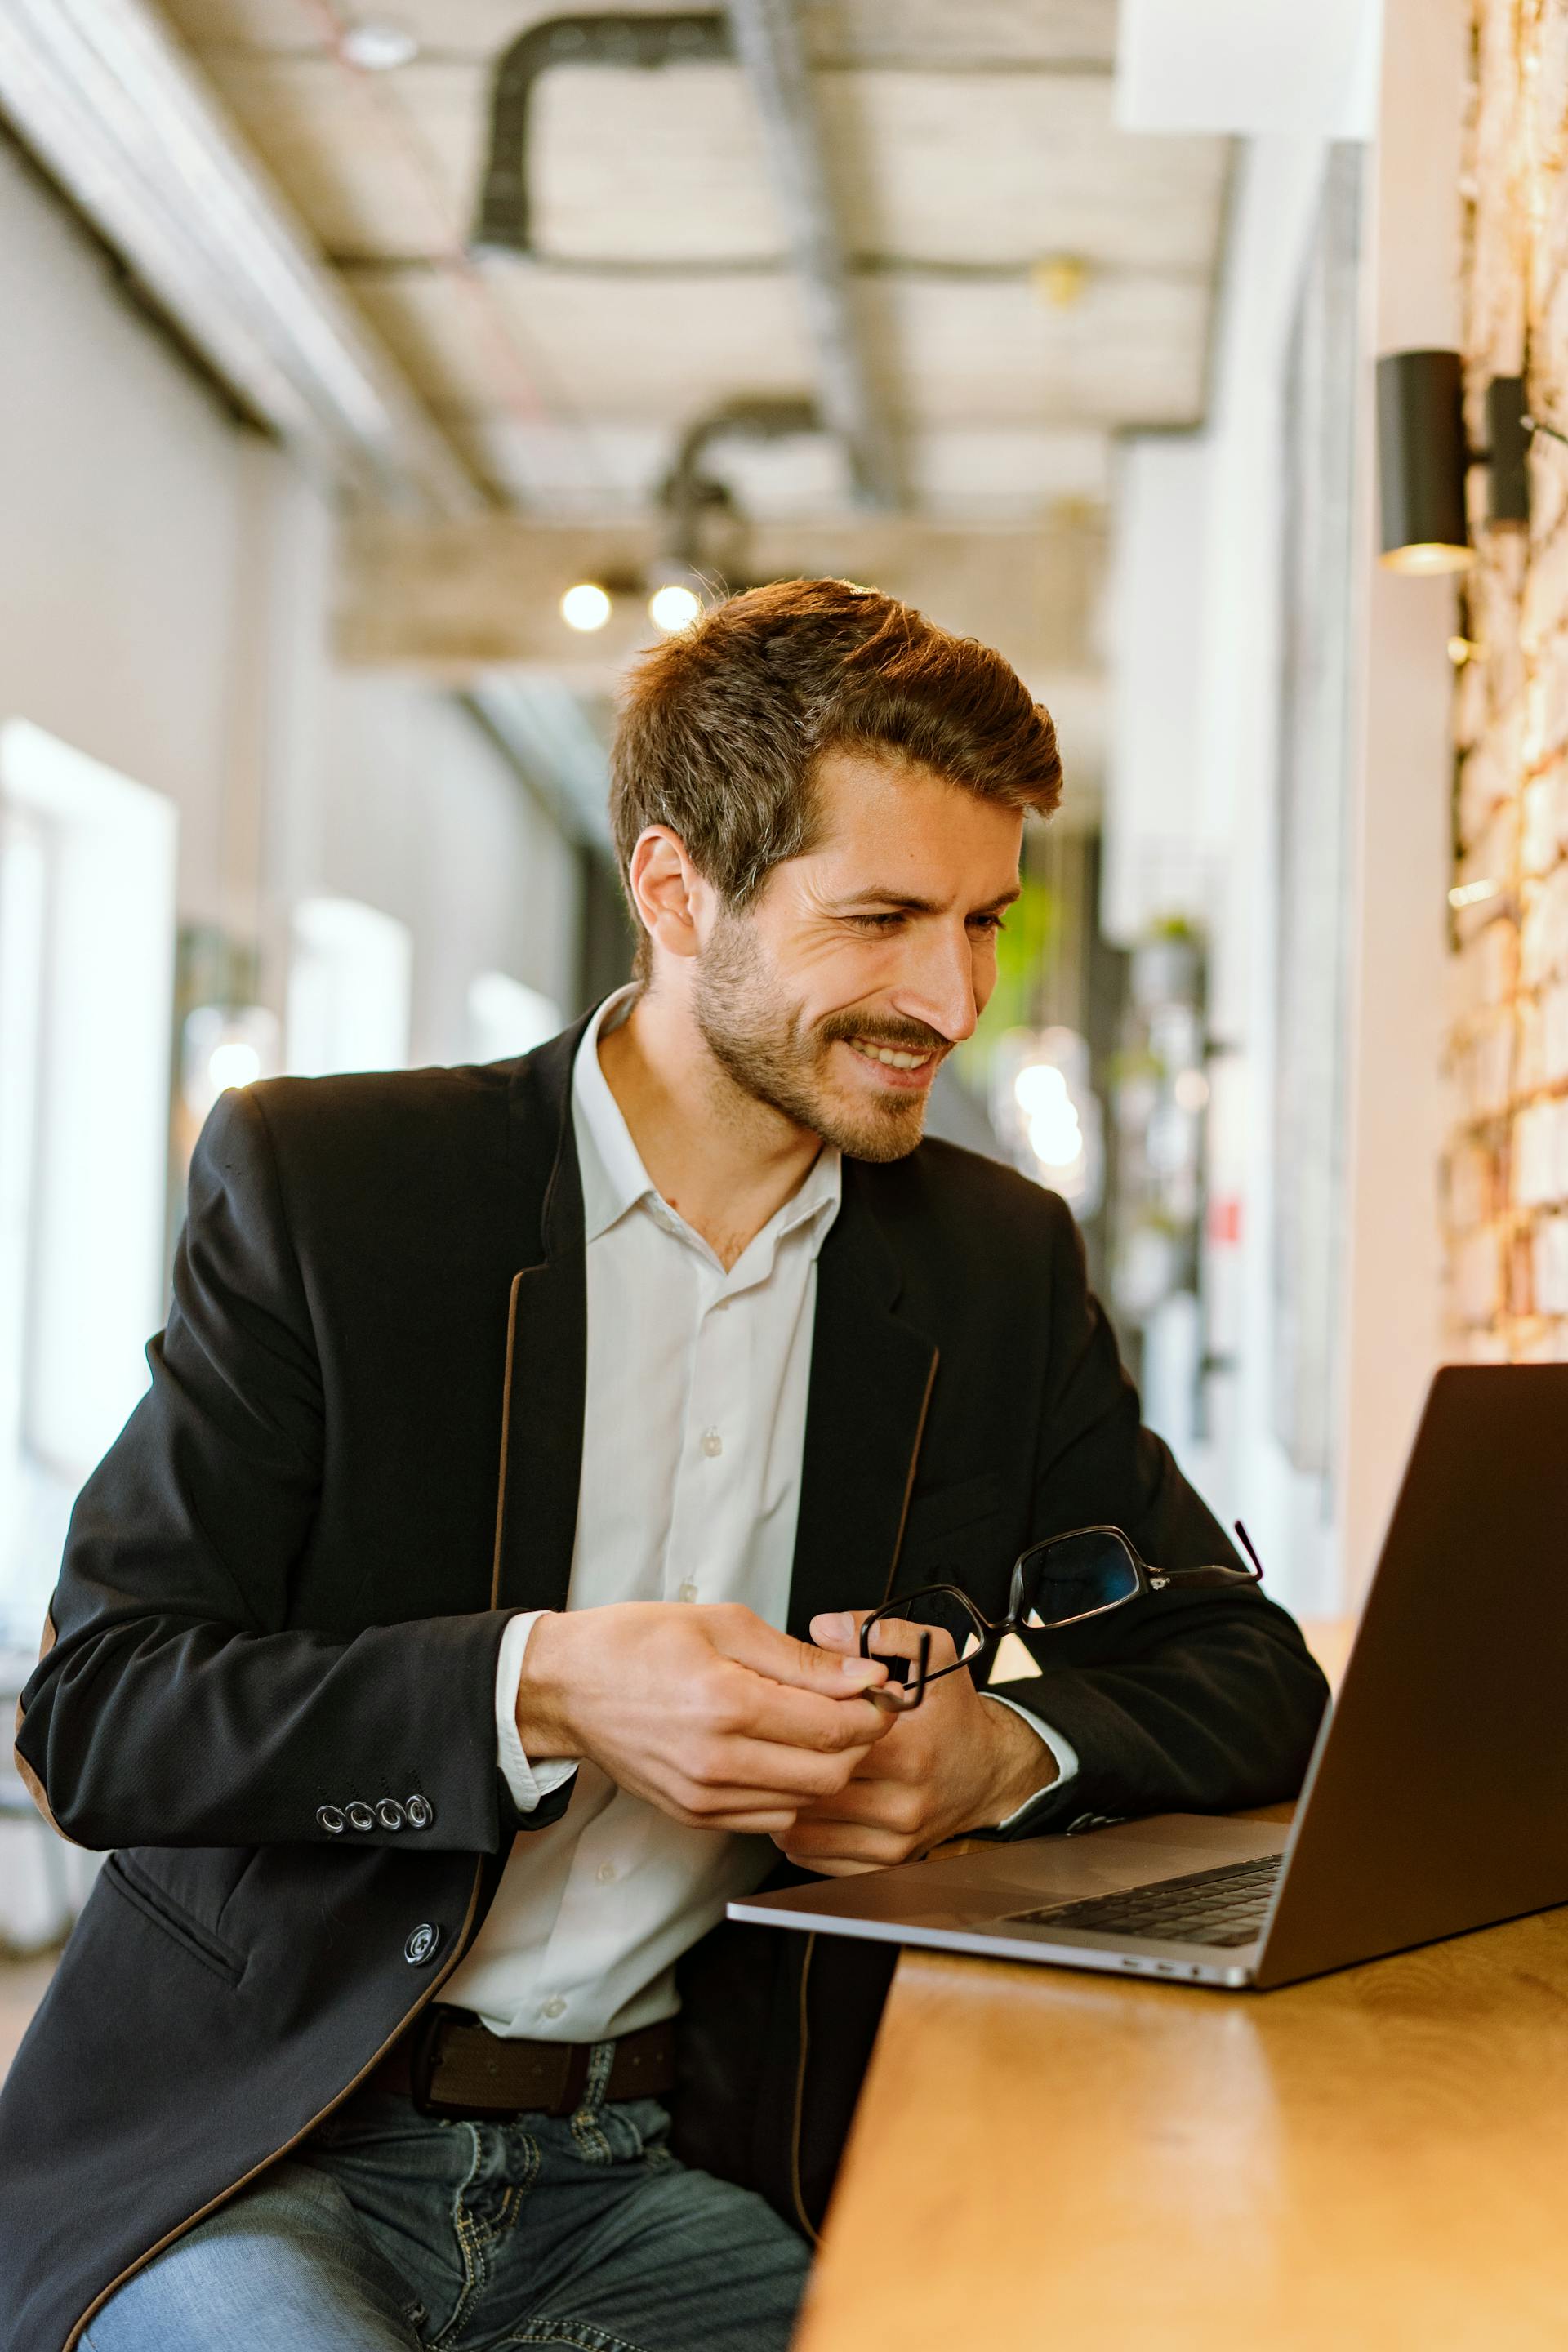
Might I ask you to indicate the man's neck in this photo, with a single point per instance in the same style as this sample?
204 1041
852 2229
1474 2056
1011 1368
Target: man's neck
723 1160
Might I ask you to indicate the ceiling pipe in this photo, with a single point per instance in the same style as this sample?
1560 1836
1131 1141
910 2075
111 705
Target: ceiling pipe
603 37
769 41
106 100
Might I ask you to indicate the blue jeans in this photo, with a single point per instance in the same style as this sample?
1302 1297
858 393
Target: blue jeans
390 2231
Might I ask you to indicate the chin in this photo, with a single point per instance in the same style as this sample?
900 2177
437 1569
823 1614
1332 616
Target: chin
864 1133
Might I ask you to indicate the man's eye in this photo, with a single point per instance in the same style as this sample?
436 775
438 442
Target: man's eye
876 922
991 923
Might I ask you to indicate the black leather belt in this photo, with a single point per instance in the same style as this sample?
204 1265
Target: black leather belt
450 2064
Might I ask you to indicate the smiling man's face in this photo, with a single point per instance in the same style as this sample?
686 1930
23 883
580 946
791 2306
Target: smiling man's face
838 993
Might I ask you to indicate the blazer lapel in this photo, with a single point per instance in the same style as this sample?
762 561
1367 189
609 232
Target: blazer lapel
871 1382
547 1341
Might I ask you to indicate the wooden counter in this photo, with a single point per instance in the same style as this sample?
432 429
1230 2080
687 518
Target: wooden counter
1376 2161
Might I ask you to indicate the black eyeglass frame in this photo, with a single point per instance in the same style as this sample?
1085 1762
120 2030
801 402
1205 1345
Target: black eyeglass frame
903 1696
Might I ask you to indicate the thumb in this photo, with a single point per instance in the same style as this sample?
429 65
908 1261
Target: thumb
839 1628
837 1668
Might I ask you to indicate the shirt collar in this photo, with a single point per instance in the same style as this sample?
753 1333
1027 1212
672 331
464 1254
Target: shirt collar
614 1177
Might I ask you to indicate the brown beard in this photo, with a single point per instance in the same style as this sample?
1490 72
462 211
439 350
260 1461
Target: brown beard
771 1054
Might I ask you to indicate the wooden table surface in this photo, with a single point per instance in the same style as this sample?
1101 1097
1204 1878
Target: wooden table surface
1376 2161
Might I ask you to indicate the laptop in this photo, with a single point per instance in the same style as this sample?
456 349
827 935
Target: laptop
1436 1798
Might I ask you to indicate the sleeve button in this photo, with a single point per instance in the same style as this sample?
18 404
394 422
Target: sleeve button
360 1816
420 1948
389 1814
331 1819
418 1812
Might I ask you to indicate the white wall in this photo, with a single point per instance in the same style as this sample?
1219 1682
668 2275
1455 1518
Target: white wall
164 605
1392 1298
1280 184
1192 786
1321 1538
118 493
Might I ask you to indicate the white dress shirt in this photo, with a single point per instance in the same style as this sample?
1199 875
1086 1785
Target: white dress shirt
693 1430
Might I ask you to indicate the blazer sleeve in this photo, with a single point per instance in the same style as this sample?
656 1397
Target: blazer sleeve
1201 1703
176 1703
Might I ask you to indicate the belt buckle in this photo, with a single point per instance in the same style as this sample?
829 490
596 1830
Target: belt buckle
424 2057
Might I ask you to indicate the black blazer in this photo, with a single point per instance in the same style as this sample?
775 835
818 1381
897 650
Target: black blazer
285 1587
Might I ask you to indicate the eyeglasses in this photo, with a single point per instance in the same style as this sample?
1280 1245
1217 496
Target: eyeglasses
1059 1582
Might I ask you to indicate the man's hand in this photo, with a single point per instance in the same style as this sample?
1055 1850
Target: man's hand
957 1762
708 1712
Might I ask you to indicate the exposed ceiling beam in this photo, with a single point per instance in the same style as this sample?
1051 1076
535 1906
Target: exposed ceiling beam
771 48
107 101
456 599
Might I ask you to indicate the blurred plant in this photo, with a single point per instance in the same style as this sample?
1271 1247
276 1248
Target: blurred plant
1024 951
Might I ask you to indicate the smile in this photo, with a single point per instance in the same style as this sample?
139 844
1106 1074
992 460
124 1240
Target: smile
891 1057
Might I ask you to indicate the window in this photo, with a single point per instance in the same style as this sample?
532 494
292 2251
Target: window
350 985
86 957
506 1019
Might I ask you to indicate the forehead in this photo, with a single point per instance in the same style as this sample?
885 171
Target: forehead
870 805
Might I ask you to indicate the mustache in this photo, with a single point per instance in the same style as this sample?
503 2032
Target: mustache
885 1029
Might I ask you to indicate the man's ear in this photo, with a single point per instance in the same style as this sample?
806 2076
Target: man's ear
667 890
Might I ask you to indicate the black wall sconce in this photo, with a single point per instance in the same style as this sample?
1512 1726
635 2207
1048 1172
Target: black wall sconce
1424 459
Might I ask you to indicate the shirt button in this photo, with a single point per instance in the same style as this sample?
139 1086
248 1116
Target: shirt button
687 1591
360 1816
713 1442
331 1819
553 2007
606 1873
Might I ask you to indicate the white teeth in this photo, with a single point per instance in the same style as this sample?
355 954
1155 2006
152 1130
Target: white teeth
894 1060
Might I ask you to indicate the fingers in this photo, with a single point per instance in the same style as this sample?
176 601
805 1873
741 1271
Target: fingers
891 1637
762 1709
784 1773
827 1869
893 1805
839 1628
819 1845
751 1819
743 1636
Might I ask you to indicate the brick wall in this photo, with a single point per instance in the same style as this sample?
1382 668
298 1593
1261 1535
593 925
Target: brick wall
1505 1191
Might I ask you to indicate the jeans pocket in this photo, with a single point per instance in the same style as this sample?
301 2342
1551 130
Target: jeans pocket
648 2121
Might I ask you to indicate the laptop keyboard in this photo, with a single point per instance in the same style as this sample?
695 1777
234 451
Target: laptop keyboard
1206 1907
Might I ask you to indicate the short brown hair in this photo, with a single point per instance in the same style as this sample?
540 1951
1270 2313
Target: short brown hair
722 725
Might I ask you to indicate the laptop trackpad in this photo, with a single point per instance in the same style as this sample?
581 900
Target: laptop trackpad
991 1881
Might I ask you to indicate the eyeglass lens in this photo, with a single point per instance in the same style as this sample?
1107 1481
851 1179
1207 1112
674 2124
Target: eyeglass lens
1074 1575
933 1612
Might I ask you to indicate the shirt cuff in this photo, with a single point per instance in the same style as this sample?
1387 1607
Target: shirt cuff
1059 1743
527 1782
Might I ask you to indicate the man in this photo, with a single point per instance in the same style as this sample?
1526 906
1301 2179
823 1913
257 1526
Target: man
427 1799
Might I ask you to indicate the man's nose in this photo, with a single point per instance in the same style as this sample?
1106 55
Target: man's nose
939 988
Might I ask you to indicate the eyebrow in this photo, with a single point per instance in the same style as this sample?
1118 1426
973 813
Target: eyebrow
907 902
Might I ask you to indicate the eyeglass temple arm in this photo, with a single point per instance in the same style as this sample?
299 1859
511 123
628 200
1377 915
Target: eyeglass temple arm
909 1692
1216 1575
1246 1547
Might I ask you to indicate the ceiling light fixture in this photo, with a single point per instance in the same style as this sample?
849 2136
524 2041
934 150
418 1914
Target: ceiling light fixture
378 46
1060 279
586 606
673 607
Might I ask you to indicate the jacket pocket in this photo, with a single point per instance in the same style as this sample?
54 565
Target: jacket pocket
130 1881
